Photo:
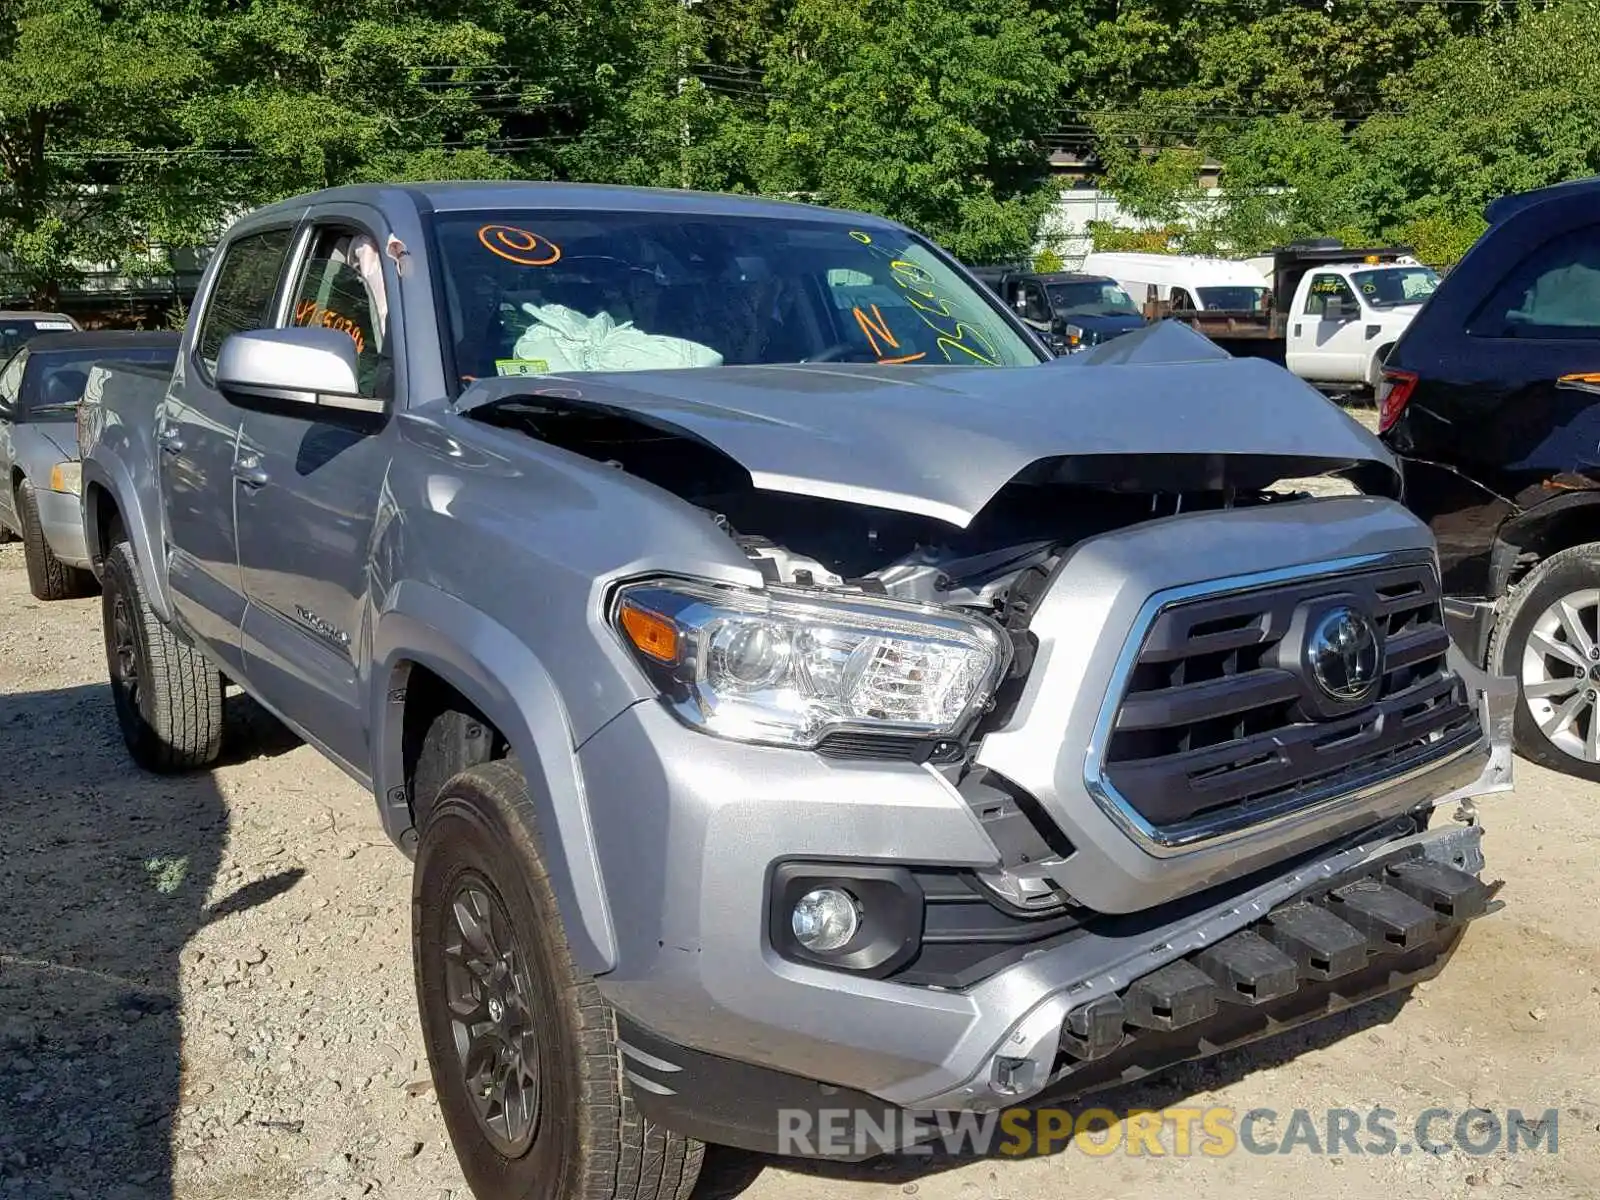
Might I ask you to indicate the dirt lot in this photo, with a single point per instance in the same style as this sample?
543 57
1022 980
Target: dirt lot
205 991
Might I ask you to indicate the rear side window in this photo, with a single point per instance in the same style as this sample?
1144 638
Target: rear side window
1554 293
241 300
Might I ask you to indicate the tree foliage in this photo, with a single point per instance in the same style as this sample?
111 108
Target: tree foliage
128 126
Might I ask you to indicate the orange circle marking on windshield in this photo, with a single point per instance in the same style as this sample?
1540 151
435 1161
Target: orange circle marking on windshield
519 245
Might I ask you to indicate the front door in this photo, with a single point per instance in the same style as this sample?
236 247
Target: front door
308 496
1326 341
196 435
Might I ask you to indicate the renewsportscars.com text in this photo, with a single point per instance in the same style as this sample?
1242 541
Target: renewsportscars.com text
1170 1132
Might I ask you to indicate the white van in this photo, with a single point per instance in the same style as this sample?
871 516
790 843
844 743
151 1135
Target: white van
1188 283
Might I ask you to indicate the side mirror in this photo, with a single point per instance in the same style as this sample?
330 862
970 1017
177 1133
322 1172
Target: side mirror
300 368
1340 308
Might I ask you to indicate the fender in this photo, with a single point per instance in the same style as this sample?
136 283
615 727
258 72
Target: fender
1571 516
419 624
107 476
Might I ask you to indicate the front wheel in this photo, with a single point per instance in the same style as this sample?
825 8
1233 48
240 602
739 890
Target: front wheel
1548 638
522 1047
167 696
48 577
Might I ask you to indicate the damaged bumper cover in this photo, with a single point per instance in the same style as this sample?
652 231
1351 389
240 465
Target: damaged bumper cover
1128 997
1359 924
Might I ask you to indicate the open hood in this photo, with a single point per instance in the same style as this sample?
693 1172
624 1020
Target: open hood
942 441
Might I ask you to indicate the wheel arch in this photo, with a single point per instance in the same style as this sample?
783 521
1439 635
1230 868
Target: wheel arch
110 507
425 634
1526 539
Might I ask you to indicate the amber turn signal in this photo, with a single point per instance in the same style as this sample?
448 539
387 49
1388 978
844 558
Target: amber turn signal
651 633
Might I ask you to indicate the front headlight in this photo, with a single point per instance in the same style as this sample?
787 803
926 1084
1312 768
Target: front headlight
783 667
67 477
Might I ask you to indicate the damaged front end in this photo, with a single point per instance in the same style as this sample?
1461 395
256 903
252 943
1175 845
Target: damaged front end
1116 539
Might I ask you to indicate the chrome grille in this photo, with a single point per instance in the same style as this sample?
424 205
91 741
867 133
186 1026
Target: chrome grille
1217 724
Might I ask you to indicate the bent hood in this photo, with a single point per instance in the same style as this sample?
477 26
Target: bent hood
941 441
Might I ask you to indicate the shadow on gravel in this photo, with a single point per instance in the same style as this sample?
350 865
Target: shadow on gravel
737 1170
104 874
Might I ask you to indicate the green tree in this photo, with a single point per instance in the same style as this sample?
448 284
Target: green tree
929 111
84 93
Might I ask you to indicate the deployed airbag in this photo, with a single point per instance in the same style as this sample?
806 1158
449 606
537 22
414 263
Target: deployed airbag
563 339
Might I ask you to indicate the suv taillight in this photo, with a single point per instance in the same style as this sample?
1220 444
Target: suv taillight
1394 393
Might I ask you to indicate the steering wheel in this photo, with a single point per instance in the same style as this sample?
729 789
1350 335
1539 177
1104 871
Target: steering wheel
842 352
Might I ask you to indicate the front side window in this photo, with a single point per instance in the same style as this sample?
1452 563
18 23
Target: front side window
1181 301
1036 309
342 288
1554 293
537 292
241 298
1328 295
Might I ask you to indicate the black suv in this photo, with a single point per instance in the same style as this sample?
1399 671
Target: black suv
1492 398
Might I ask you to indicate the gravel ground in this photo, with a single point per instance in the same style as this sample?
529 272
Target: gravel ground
205 991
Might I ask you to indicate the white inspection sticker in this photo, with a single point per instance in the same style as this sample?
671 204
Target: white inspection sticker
54 325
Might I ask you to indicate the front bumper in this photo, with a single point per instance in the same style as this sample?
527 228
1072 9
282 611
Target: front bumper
689 831
61 519
1356 926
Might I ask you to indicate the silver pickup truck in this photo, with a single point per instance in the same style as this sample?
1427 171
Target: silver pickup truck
798 692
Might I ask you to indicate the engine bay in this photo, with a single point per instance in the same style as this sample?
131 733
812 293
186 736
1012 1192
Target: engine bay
807 541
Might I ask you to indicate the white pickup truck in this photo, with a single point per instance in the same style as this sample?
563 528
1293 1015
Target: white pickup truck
1331 316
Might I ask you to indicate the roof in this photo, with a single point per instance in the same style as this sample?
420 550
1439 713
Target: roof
1508 206
21 315
1071 277
103 339
489 194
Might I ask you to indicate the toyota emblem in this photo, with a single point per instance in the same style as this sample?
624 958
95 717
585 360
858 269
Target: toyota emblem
1344 655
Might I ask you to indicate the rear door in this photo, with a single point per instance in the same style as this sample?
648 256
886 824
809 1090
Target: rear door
309 488
197 432
1506 410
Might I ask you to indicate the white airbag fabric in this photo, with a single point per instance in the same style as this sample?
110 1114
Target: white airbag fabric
565 340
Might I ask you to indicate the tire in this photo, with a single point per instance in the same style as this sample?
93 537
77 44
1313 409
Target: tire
167 696
48 577
585 1140
1568 742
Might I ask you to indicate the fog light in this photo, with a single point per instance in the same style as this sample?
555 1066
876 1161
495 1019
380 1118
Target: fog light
825 920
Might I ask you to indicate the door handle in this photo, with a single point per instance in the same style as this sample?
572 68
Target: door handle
247 470
171 443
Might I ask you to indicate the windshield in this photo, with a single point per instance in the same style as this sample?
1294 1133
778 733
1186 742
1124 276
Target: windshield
536 292
54 381
14 331
1102 297
1391 286
1234 299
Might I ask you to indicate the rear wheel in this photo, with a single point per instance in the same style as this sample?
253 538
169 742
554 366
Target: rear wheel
48 577
167 696
1548 638
522 1047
